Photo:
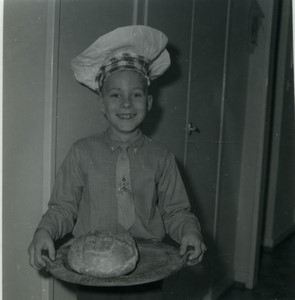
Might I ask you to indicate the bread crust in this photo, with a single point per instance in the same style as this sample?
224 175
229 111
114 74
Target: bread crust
103 254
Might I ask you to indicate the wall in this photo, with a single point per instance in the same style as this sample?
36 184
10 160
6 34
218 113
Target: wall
280 206
23 105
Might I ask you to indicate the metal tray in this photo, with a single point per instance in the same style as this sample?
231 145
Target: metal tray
157 261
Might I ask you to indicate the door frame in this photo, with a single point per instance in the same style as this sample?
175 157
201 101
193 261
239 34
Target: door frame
50 111
270 240
255 142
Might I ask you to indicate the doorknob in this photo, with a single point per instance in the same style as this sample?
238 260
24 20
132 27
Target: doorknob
191 128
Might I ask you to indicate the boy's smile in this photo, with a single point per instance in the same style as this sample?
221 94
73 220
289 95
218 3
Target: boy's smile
126 116
125 103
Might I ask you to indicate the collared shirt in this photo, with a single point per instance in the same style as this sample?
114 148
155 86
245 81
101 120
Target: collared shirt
84 194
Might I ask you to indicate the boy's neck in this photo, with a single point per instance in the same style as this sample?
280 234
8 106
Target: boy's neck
123 137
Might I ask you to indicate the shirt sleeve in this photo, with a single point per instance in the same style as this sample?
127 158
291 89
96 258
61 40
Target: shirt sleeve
174 203
63 206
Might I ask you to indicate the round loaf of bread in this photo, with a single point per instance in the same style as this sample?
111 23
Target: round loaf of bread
103 254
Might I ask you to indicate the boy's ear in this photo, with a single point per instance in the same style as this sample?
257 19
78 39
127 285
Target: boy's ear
101 104
149 102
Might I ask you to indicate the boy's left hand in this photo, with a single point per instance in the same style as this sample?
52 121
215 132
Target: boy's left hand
195 256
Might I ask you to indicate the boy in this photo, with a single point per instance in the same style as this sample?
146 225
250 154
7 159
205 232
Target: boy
120 180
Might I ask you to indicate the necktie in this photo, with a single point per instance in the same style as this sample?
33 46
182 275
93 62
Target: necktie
125 202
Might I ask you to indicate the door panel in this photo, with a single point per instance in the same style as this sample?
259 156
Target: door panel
166 122
81 23
205 106
206 113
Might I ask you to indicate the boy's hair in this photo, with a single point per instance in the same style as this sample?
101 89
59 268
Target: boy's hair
144 79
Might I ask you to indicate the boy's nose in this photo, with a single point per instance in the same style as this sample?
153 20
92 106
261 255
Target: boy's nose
126 102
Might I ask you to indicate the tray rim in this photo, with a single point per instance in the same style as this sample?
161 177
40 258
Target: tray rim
58 267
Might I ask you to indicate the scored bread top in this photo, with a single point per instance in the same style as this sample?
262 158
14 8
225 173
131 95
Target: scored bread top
103 254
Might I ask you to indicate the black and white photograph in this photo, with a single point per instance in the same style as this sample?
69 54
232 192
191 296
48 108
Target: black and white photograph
148 150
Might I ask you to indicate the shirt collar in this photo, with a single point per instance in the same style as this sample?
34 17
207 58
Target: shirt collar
134 142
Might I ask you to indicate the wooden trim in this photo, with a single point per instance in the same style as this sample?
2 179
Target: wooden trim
275 240
1 136
293 35
140 12
277 124
217 290
135 12
50 99
248 234
221 125
50 104
189 83
146 12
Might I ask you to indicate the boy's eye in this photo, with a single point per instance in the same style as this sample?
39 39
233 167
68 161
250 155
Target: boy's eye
115 95
137 95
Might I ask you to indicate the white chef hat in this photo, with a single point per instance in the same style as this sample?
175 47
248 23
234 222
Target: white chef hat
138 48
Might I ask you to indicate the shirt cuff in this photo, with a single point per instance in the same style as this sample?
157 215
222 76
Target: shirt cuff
48 228
190 228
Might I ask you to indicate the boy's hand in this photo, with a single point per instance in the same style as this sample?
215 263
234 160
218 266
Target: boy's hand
41 241
195 256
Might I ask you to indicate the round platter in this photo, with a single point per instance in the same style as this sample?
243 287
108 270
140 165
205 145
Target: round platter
156 261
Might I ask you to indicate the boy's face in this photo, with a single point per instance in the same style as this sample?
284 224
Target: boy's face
125 102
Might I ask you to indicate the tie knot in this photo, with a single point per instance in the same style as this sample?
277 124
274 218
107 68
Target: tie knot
124 147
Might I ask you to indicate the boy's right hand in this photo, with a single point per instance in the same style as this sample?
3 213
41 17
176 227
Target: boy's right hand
41 241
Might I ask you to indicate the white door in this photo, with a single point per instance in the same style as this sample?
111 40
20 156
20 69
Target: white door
77 112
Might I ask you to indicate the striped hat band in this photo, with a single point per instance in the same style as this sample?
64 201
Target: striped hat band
123 61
